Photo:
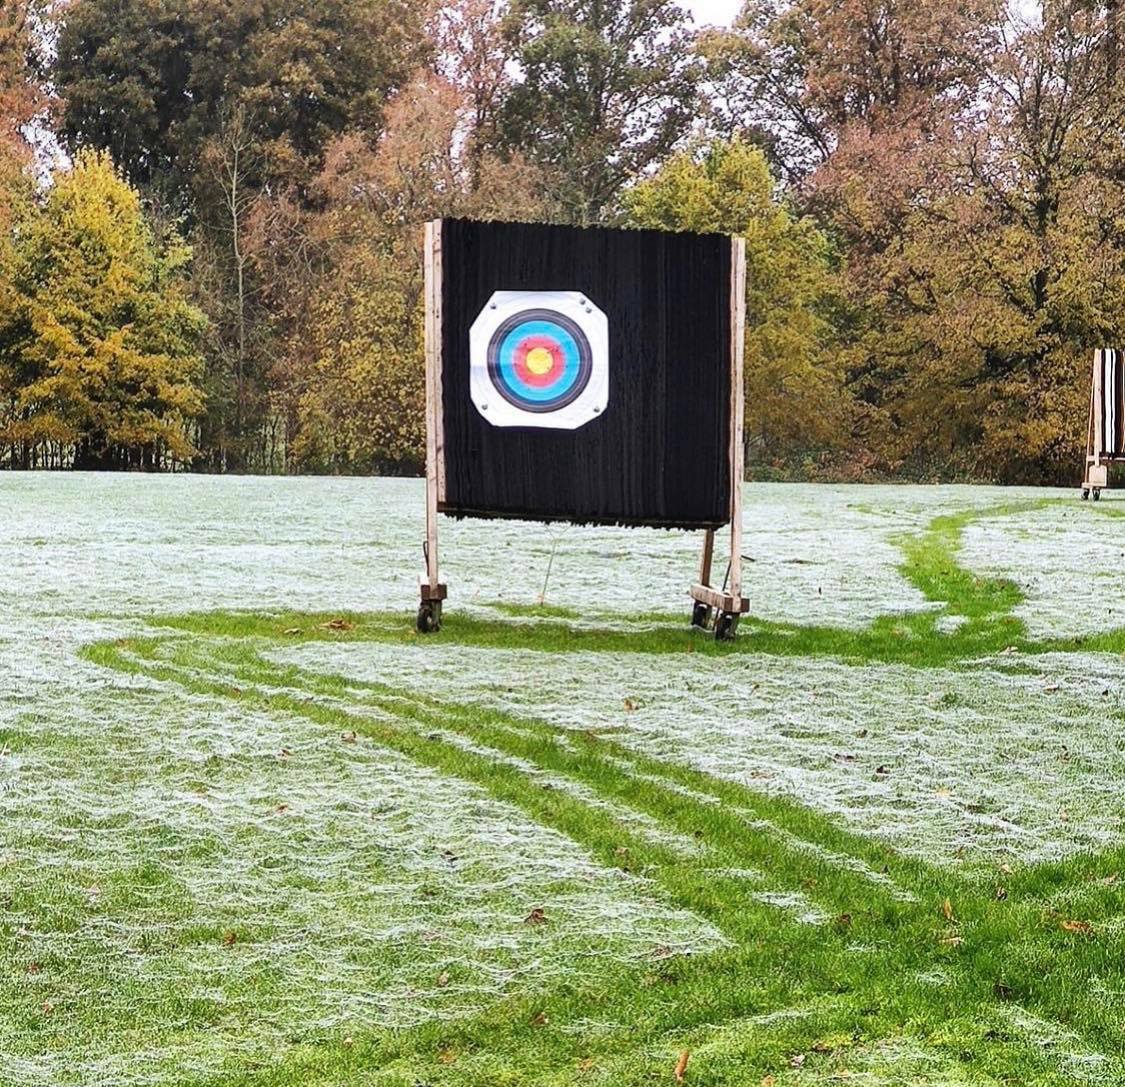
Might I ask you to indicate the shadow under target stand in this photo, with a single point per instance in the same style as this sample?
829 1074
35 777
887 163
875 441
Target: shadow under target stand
717 609
1105 432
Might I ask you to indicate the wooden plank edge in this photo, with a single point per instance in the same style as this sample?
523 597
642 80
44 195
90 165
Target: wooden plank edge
715 598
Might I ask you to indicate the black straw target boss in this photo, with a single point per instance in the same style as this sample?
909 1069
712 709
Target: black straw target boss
585 375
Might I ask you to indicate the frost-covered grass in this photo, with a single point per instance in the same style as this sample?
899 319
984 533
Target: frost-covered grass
256 831
1068 559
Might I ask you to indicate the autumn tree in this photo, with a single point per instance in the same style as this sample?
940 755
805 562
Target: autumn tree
153 80
21 100
1009 269
795 396
101 344
808 76
607 89
474 56
356 382
213 107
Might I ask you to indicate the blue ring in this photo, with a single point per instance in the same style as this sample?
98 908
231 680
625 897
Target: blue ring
506 361
577 360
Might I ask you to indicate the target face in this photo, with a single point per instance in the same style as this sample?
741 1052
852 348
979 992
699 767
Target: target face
539 359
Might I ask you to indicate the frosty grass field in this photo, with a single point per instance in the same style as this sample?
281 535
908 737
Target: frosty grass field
254 830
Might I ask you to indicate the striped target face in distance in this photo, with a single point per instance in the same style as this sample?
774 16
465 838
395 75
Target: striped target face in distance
539 359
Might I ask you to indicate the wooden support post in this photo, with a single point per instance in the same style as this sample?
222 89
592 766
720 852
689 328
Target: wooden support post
1097 470
729 601
737 412
433 592
705 560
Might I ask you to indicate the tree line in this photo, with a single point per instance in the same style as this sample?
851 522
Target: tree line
222 269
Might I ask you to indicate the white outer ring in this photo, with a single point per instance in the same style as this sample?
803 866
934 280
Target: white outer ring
573 304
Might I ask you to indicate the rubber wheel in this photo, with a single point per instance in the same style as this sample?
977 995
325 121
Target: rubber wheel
725 624
429 618
1097 495
1085 494
700 616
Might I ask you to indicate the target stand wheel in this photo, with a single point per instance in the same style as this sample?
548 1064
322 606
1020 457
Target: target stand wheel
700 616
726 624
429 617
1097 493
1085 493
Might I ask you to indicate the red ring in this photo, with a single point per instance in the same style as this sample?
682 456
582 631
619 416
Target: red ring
519 360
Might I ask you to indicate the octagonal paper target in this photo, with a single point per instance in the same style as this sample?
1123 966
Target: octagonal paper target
539 359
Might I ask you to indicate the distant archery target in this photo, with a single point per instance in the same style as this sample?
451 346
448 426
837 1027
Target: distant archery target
539 358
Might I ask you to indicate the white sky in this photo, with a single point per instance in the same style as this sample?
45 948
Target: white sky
713 12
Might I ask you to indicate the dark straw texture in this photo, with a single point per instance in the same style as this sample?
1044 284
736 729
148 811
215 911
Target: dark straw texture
659 454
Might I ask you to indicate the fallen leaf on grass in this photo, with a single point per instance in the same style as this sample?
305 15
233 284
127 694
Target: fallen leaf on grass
1108 881
1051 688
337 624
681 1065
33 968
1083 928
630 705
442 979
951 941
229 939
797 1060
292 630
585 1064
539 1019
768 1081
348 737
537 917
947 910
447 1056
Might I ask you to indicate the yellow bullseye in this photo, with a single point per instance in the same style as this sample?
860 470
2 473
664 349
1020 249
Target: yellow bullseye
539 361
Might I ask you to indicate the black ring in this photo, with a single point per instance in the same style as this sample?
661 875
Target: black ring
585 360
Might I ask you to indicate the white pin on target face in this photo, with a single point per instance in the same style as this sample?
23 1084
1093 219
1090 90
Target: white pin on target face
539 359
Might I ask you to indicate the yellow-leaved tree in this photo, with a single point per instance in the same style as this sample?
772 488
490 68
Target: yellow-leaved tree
363 408
796 400
101 343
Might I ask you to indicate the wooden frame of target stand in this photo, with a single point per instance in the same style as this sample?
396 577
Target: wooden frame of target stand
720 609
714 608
1096 475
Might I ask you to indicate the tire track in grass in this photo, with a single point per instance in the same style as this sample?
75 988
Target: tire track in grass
722 898
978 977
